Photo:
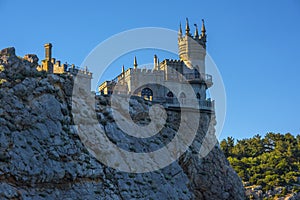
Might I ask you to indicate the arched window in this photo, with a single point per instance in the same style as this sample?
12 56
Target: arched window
182 95
147 93
182 98
198 95
170 94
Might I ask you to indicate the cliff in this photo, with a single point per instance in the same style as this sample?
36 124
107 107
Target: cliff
43 157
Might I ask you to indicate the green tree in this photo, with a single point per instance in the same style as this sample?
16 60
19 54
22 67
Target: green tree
269 161
227 146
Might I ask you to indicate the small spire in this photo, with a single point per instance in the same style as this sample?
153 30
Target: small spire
135 63
187 27
180 30
155 62
203 30
196 31
123 69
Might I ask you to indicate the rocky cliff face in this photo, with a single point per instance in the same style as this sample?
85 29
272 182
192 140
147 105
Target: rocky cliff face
42 156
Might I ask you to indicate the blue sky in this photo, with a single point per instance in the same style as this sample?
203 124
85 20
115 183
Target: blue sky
255 45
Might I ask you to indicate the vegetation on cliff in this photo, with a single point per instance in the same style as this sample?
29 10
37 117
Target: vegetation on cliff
270 162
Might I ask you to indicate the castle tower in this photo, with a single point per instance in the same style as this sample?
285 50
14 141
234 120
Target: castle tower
47 63
48 51
192 49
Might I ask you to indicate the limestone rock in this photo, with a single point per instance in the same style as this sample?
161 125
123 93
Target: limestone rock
42 156
9 52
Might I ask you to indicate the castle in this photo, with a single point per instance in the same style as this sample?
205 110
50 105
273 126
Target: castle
191 65
51 65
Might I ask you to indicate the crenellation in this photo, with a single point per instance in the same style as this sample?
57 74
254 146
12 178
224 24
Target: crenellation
51 65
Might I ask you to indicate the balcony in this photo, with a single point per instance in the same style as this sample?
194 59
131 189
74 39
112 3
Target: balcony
191 77
189 103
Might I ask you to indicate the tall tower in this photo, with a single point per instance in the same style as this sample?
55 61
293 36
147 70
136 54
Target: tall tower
47 64
48 51
192 49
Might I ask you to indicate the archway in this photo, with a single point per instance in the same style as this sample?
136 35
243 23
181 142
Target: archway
170 94
170 97
182 95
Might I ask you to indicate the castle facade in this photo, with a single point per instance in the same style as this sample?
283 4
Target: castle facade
190 66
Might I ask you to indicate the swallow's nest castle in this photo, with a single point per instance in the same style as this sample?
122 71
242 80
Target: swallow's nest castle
191 65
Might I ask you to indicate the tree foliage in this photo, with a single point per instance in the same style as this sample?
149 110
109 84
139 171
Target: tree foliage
270 161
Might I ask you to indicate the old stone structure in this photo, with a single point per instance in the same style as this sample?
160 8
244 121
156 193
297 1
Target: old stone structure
42 156
51 65
189 69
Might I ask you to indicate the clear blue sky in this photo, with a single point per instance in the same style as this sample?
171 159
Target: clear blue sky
255 45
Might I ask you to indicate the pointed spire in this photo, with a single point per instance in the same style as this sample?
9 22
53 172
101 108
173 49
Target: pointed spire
135 63
123 69
180 31
203 30
155 61
196 31
187 27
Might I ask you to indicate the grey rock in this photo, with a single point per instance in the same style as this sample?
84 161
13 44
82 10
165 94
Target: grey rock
10 51
43 157
7 191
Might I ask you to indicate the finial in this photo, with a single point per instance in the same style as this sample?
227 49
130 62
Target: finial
187 27
135 63
203 30
196 31
123 69
155 62
180 30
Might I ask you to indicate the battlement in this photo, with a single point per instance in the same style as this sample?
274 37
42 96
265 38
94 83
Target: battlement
51 65
78 71
173 62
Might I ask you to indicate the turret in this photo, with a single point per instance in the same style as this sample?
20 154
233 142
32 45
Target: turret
180 31
192 49
203 30
47 63
48 51
203 35
196 31
187 27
